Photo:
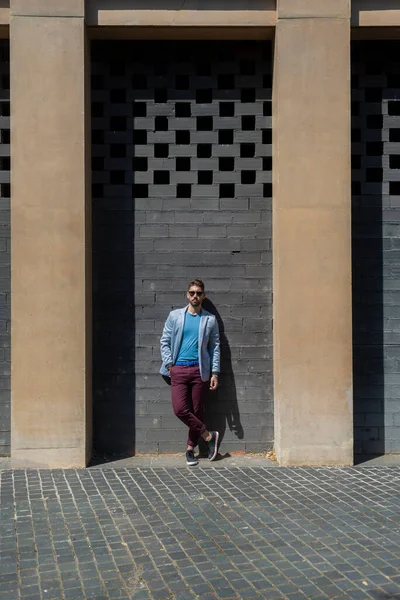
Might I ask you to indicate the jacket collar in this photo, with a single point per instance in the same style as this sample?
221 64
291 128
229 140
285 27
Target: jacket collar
203 312
203 320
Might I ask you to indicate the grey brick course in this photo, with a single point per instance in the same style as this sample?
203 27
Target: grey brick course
200 209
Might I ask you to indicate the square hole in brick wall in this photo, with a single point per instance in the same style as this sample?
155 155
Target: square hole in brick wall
97 136
204 150
247 67
247 177
140 163
373 95
267 190
394 161
205 177
160 96
4 109
182 137
267 163
247 150
203 69
226 164
161 124
204 124
161 177
118 96
140 136
139 82
394 135
267 136
97 190
226 81
375 121
140 190
374 175
117 69
97 109
248 95
182 164
118 123
227 190
267 81
356 188
225 136
117 150
183 190
183 109
248 123
226 109
373 148
161 150
117 177
267 109
356 134
182 82
5 190
97 163
139 109
203 96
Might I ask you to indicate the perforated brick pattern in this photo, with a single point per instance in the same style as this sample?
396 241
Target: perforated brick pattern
376 245
181 189
5 256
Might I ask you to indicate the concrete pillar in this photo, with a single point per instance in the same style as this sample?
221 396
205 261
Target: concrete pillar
51 222
311 234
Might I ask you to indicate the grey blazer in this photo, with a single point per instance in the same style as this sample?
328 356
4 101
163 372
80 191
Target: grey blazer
209 350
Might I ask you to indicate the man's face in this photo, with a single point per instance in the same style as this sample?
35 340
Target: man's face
195 295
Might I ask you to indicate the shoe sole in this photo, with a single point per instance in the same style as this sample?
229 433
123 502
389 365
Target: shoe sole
192 464
216 446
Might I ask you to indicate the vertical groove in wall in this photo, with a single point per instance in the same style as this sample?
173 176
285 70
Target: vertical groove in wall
5 254
376 245
182 162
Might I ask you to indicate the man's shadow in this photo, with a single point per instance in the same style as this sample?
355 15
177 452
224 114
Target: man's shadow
222 408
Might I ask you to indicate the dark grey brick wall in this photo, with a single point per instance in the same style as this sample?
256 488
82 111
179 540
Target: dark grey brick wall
5 255
181 189
376 245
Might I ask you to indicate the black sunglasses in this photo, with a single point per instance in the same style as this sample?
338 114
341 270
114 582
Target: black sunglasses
196 294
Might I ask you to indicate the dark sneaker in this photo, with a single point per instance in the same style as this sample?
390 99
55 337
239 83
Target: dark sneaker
213 445
190 459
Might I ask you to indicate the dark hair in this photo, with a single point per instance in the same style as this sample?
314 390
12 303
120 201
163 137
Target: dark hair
197 282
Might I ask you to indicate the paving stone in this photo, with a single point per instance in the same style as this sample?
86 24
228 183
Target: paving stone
154 533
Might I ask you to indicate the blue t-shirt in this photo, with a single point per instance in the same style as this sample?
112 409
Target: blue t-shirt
189 349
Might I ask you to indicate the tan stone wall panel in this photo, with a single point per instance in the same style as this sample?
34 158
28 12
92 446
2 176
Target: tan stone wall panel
184 18
311 242
48 8
304 90
295 9
62 458
49 302
375 13
4 12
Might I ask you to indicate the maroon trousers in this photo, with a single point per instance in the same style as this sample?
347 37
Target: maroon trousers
188 393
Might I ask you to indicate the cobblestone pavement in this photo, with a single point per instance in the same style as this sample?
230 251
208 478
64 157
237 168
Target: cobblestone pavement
223 532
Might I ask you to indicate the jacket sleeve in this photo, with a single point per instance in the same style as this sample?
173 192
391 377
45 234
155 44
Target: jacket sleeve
165 342
214 348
